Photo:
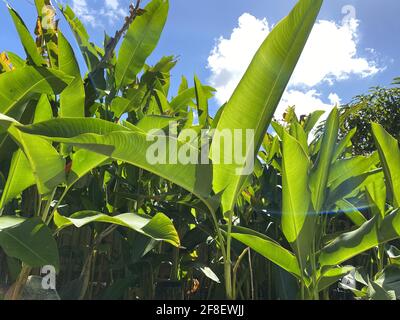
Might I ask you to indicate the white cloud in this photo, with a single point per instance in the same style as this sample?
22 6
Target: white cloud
334 99
113 11
331 55
305 102
94 14
112 4
230 57
81 9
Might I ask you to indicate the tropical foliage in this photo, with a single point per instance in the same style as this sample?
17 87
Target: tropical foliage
78 192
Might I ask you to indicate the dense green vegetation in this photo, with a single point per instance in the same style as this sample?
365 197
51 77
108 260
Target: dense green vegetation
78 192
380 105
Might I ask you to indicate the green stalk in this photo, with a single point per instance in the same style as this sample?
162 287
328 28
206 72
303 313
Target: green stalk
220 238
235 269
19 284
50 217
227 262
46 210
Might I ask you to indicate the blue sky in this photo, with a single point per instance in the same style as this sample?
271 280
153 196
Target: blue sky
348 51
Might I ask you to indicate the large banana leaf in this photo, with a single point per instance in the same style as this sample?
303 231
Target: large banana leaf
132 146
21 174
256 98
18 85
159 227
296 198
140 41
46 163
389 153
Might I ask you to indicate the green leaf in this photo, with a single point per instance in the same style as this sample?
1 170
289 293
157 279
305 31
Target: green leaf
159 227
343 144
320 172
333 275
131 146
344 169
207 272
186 97
154 122
376 194
20 177
295 193
9 222
72 99
140 41
120 105
47 165
88 50
312 120
27 41
389 153
201 102
351 212
162 101
296 197
353 186
376 292
31 242
43 110
257 96
389 279
16 60
39 6
369 235
268 248
19 85
393 254
297 132
83 161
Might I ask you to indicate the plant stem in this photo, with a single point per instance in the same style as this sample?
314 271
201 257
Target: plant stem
227 265
21 281
46 209
227 261
251 276
235 269
57 205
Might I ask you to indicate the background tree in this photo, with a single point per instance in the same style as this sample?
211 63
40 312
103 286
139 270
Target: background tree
380 105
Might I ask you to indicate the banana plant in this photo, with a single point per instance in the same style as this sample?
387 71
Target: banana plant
49 86
267 76
311 186
73 155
